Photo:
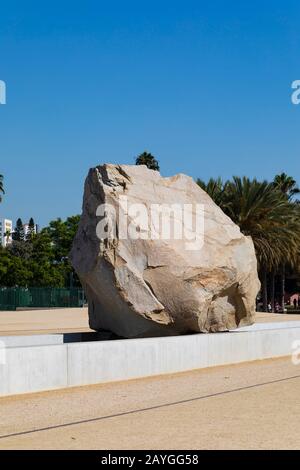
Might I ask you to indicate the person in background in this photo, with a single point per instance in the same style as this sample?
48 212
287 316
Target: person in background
269 307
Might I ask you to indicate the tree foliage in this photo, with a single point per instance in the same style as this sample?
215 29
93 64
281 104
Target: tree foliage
263 211
147 159
42 260
287 185
31 229
269 214
18 233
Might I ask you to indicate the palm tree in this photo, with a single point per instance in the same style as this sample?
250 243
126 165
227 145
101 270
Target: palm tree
264 213
1 187
214 188
147 159
7 235
288 187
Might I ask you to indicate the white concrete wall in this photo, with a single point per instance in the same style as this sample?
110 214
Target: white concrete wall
30 369
31 340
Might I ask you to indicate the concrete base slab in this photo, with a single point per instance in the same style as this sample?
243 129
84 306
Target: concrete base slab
34 340
26 368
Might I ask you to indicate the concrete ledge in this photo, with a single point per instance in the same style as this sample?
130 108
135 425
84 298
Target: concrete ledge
31 369
35 368
34 340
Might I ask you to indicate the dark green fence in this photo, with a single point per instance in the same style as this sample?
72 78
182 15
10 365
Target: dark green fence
12 298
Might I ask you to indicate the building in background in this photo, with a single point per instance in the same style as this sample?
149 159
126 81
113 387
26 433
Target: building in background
6 230
26 229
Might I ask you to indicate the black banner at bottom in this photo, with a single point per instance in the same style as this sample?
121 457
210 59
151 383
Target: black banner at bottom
133 459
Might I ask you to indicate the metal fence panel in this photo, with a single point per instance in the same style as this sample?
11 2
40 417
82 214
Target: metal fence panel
12 298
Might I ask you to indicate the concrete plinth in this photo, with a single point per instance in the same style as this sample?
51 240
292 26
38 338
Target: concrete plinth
36 367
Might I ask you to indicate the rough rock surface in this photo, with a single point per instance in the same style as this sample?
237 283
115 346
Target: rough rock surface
151 287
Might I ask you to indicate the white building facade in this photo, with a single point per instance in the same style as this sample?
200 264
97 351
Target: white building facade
6 230
27 228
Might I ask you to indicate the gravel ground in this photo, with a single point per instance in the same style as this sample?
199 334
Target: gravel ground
67 320
56 320
245 406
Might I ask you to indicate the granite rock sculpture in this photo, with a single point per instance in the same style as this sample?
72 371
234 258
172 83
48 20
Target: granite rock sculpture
141 277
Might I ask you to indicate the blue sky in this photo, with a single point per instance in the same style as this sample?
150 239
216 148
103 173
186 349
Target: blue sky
204 85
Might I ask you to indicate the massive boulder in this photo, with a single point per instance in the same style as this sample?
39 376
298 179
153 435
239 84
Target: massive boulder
149 279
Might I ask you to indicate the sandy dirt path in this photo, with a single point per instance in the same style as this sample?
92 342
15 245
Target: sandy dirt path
57 320
246 406
72 320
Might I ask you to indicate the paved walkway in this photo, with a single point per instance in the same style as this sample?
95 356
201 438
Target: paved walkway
73 320
56 320
244 406
262 317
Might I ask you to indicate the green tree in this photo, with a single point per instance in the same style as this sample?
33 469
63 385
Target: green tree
264 213
62 234
43 260
214 188
18 233
287 185
147 159
14 271
31 230
46 272
20 249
